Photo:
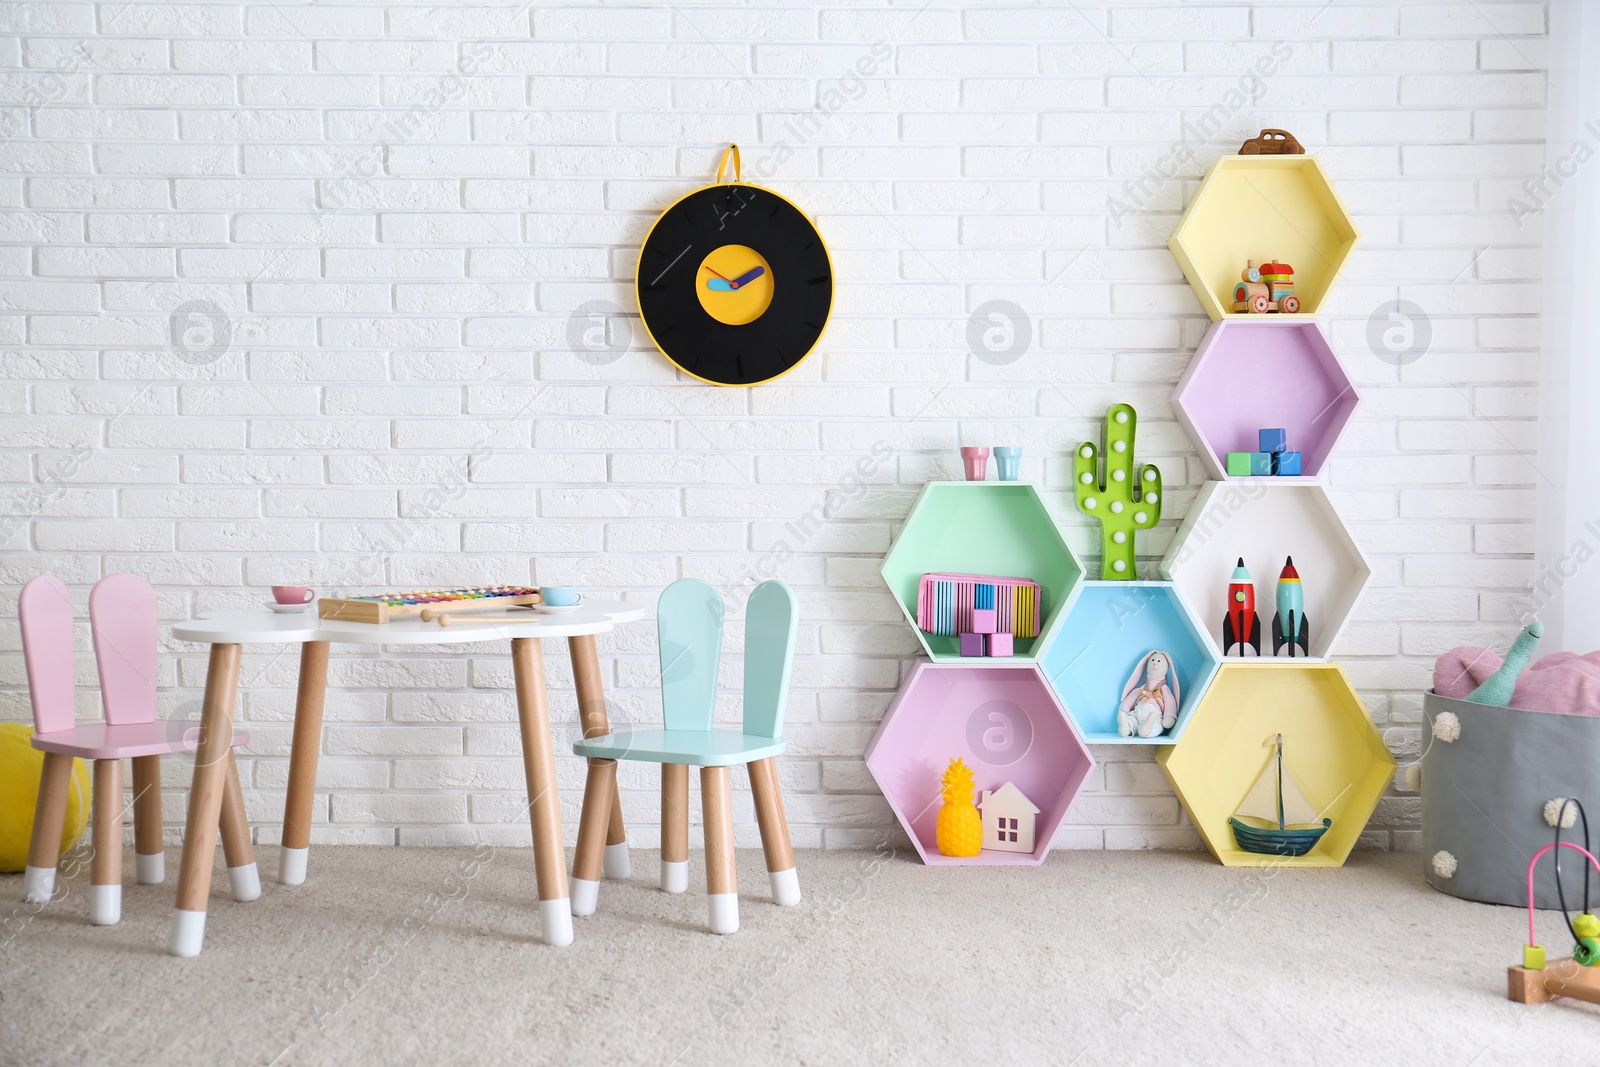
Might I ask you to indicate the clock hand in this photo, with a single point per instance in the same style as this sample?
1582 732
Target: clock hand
748 276
707 266
719 285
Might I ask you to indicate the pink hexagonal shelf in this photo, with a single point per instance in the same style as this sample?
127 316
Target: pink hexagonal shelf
1005 722
1262 372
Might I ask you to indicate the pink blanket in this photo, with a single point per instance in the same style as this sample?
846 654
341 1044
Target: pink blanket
1563 682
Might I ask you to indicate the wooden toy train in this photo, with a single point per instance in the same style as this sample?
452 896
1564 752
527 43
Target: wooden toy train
1269 287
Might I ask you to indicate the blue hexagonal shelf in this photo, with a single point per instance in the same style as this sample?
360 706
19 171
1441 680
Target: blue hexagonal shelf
1109 627
990 528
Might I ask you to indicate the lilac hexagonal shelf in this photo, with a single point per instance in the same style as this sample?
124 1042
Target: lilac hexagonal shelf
1005 722
1256 373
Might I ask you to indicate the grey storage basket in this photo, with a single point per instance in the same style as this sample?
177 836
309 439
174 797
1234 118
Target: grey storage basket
1483 798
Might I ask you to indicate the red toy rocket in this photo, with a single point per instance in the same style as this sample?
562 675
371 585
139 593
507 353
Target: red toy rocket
1241 626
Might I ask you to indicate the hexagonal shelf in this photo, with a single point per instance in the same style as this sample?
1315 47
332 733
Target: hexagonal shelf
1329 743
1109 628
991 528
1266 372
1004 721
1263 208
1265 520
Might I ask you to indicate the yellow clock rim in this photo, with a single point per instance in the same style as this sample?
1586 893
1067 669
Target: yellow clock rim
639 262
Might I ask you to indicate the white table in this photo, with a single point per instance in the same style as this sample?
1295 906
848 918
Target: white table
227 631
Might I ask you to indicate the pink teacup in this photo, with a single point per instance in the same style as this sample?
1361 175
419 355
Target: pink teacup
293 594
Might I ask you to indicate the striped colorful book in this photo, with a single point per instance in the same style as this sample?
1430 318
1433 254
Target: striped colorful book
945 603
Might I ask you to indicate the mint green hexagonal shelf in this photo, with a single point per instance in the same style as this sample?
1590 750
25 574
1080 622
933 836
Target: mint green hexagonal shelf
989 528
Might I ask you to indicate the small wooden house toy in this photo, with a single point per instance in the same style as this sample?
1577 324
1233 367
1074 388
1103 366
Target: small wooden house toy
1007 819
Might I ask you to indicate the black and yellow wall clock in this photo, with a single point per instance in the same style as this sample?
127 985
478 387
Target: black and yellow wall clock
734 282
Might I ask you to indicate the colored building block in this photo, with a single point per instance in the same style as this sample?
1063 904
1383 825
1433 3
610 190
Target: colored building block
1238 464
1287 463
1000 644
1273 440
984 621
1260 463
973 644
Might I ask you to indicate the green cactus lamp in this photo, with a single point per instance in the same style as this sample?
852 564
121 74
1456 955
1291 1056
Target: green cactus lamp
1121 497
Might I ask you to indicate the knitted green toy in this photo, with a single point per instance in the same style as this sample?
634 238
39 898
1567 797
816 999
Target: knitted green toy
1497 688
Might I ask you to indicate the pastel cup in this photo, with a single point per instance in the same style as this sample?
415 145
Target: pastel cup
976 462
293 594
1008 462
560 596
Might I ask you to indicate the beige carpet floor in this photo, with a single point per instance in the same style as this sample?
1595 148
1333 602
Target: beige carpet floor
431 956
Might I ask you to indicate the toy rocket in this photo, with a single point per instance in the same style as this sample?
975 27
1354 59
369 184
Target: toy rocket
1241 626
1289 626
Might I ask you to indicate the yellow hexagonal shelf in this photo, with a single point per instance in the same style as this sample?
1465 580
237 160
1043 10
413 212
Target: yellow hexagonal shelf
1263 209
1330 747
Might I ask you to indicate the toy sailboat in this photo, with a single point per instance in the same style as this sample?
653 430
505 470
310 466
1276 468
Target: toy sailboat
1276 819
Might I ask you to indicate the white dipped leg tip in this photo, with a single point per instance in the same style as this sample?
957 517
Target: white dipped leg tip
785 887
188 933
585 896
555 921
105 904
617 865
724 912
38 884
245 882
674 876
292 865
152 870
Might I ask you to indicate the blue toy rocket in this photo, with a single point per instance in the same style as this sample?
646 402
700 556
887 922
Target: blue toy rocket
1289 626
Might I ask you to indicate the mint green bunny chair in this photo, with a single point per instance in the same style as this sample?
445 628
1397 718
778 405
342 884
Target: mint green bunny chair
689 618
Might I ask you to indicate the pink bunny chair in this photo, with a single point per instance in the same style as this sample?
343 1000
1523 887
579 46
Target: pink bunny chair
122 615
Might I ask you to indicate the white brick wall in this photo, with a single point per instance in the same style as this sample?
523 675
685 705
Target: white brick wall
398 208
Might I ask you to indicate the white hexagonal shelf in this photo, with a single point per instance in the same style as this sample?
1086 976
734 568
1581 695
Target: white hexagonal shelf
1265 521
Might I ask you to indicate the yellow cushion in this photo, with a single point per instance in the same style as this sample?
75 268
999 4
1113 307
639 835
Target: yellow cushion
20 768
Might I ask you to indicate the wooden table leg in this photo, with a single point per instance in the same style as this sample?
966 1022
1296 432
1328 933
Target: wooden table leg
205 801
243 877
587 863
722 884
303 752
149 852
674 827
774 832
585 654
544 808
49 818
105 870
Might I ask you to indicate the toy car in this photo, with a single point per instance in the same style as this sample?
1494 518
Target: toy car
1269 287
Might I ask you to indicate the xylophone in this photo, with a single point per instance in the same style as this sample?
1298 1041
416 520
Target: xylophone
389 607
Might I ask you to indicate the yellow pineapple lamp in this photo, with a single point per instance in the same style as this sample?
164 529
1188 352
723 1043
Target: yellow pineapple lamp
960 829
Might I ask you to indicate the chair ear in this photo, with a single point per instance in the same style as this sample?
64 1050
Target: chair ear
44 612
123 614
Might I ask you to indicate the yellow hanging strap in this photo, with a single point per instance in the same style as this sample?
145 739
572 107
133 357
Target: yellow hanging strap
733 151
